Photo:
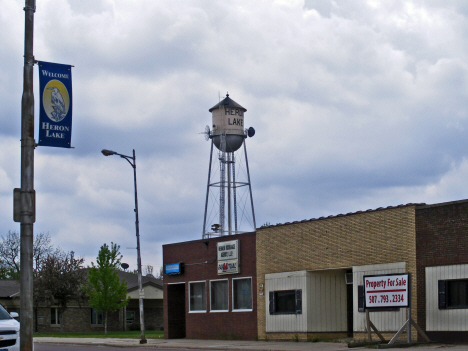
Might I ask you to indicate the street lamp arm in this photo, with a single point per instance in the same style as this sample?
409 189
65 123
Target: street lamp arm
128 158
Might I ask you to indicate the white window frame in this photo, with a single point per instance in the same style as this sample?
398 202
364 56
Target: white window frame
189 295
58 316
233 295
211 306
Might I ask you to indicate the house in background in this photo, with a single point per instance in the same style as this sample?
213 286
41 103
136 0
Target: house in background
9 295
83 318
153 301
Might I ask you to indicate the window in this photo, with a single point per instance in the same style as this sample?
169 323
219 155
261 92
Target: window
197 293
219 295
55 316
242 294
285 302
96 316
130 317
453 293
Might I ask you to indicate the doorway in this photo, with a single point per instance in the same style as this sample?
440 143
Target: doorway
176 311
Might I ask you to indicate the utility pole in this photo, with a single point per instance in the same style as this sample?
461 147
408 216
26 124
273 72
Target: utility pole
27 193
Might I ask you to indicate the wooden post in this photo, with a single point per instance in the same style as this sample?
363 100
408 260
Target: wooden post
369 334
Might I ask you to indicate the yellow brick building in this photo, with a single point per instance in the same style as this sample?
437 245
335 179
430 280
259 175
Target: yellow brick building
321 262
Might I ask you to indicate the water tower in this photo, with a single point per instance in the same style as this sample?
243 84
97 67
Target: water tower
228 190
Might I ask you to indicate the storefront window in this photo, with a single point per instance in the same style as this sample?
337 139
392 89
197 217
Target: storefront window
285 302
219 295
197 296
242 294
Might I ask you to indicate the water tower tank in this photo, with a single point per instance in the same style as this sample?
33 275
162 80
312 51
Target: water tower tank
228 119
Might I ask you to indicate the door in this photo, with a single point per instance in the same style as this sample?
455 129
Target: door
176 311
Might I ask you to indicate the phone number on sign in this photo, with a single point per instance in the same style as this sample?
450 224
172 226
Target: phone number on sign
393 298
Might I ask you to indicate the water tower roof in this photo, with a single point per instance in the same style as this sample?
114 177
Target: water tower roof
227 102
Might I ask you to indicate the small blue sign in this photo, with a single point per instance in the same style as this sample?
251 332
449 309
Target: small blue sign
174 268
55 104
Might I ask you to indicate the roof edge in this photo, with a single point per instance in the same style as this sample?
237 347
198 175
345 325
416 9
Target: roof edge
440 204
345 215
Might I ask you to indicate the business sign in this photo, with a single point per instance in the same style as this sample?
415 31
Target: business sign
228 250
174 268
228 267
55 104
228 257
386 291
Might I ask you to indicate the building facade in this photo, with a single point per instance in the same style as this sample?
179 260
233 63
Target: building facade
212 293
442 270
308 277
318 265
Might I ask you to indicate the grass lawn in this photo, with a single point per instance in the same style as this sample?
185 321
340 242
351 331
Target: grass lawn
132 334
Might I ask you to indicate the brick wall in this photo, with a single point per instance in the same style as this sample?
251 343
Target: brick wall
76 319
200 259
441 239
153 313
370 237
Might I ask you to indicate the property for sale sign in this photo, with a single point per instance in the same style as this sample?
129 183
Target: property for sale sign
385 291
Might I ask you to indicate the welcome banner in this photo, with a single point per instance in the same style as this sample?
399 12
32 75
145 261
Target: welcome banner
55 116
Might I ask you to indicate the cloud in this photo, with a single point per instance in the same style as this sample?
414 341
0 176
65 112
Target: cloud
356 105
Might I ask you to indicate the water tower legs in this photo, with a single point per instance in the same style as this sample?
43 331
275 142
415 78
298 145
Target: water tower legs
224 196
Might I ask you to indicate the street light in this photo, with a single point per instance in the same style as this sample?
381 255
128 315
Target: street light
132 161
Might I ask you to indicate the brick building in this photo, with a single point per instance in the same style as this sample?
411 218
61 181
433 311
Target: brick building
213 297
321 262
442 270
319 265
307 276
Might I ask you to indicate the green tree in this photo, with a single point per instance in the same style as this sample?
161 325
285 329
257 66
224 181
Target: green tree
105 290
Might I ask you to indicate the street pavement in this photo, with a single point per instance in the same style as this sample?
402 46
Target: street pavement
231 345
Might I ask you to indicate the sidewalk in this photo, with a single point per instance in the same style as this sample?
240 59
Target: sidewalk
231 345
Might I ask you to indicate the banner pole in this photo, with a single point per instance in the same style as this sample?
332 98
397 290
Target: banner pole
27 201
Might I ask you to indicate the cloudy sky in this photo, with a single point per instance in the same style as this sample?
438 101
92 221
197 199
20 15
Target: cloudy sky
356 104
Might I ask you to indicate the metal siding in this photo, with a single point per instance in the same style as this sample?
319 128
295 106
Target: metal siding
323 301
287 322
327 301
384 321
447 319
